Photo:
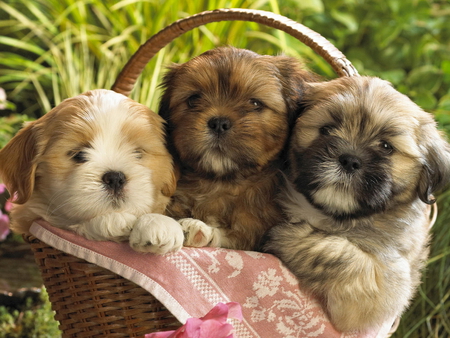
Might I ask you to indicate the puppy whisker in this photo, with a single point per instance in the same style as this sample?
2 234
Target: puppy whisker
53 207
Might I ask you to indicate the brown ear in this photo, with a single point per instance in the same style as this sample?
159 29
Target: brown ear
435 174
17 164
170 184
169 187
294 79
168 80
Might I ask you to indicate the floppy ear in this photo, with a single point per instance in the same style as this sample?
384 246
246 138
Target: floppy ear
166 85
169 184
169 187
435 174
18 165
293 79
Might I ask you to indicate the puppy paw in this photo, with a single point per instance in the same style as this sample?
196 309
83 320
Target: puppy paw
118 226
197 233
157 234
123 225
114 226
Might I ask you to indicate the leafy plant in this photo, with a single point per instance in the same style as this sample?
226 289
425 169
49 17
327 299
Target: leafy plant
32 321
10 125
405 42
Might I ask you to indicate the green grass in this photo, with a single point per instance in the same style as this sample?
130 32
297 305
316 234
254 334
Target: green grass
52 49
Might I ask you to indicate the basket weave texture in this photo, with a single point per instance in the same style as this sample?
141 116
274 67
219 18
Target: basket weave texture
91 301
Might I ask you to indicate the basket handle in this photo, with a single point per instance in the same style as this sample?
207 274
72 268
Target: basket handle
134 67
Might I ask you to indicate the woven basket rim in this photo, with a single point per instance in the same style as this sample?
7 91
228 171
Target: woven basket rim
133 68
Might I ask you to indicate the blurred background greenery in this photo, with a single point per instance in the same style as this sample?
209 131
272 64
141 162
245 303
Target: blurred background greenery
54 49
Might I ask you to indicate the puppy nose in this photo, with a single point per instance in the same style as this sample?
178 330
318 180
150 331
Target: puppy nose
219 124
114 180
350 163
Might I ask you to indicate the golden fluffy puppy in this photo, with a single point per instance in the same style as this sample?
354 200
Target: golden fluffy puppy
96 164
229 113
363 162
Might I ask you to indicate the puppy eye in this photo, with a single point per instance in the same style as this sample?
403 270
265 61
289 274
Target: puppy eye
326 130
386 146
193 100
78 156
138 153
256 104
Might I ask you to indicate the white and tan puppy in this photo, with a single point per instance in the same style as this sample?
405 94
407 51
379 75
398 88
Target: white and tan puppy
363 163
95 164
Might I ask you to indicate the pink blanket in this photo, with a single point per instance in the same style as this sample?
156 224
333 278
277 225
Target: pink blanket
190 282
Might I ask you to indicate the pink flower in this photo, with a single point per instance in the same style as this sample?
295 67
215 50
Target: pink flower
2 188
4 226
213 324
8 205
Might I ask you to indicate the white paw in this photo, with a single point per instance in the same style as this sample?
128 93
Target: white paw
197 233
114 226
121 225
157 234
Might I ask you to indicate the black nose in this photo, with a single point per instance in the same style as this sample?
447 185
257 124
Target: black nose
219 124
350 163
114 180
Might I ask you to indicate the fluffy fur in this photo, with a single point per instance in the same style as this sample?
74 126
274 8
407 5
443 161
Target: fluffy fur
363 162
229 113
96 164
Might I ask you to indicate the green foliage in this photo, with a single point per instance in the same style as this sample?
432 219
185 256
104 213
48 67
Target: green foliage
56 49
52 49
10 125
33 321
405 42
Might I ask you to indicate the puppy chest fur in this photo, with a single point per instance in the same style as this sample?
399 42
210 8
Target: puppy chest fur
246 207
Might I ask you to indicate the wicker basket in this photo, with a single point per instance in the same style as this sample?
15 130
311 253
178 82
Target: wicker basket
91 301
94 302
127 78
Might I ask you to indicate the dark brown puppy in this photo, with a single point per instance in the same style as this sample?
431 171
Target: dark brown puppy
229 113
